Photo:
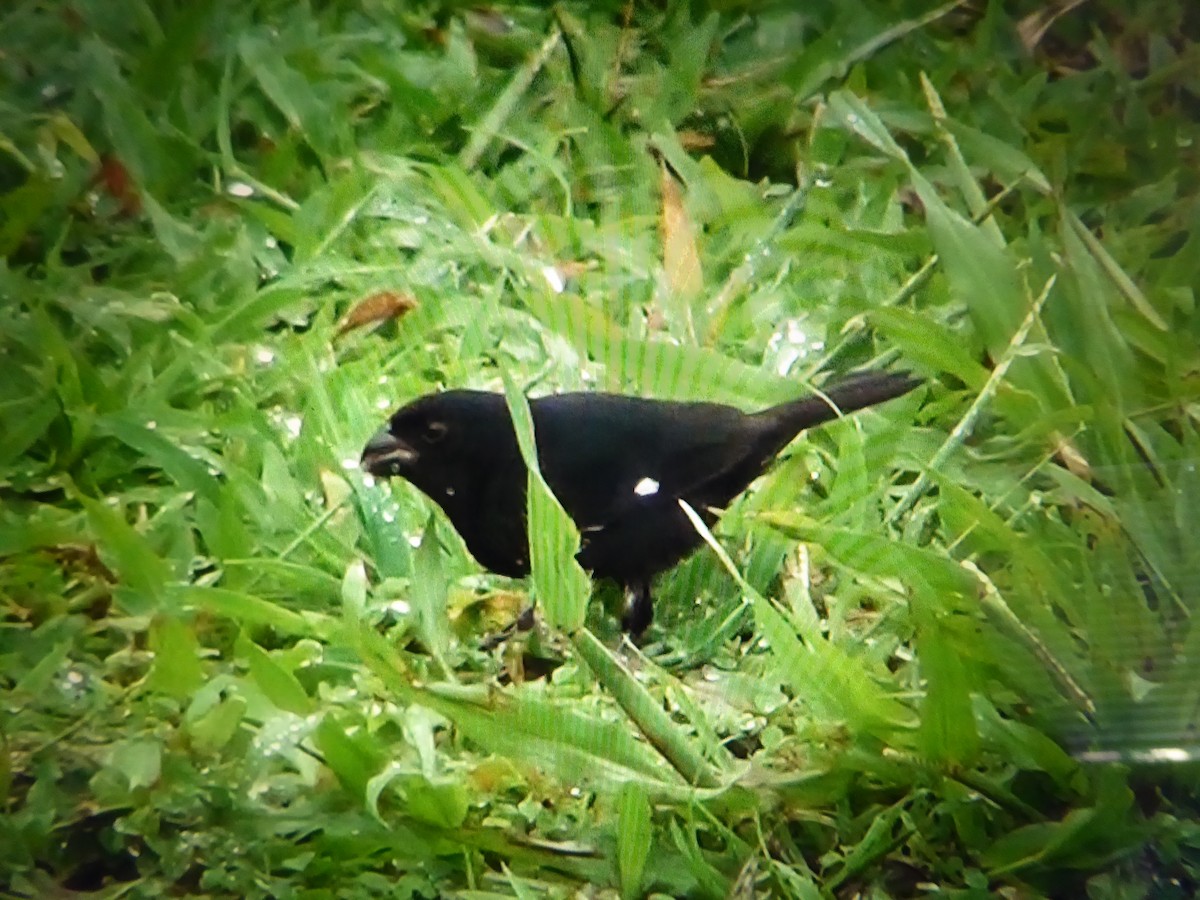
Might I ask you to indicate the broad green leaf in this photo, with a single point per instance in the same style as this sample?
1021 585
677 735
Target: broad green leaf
656 368
222 527
187 471
289 90
139 761
930 343
279 685
354 589
129 555
22 207
248 609
442 802
948 732
429 587
875 554
325 216
831 680
1085 837
554 736
561 584
645 711
212 732
1025 746
852 489
982 274
634 837
834 683
877 842
37 679
1124 283
384 542
1004 160
863 121
176 669
353 759
24 422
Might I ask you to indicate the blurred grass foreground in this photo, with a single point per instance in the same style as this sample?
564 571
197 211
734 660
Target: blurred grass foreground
945 646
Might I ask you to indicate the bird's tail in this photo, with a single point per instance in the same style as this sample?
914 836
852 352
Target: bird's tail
856 392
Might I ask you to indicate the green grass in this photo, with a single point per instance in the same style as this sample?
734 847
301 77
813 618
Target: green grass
942 644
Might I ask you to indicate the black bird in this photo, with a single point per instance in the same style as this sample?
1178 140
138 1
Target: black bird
619 465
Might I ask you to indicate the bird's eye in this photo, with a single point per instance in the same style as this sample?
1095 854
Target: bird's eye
435 431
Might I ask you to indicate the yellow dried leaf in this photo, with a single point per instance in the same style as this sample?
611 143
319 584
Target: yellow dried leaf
681 259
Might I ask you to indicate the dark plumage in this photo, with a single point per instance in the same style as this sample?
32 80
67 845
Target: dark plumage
617 464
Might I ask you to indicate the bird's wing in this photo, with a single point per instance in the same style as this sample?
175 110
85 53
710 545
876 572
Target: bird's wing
605 456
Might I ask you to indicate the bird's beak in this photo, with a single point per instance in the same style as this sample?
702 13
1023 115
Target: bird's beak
385 454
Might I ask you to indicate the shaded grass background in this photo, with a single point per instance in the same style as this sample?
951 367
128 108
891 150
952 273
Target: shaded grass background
951 640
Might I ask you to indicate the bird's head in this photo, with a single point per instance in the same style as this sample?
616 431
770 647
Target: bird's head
434 439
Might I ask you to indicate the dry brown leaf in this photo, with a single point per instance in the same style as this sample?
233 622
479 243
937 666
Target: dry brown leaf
681 259
377 307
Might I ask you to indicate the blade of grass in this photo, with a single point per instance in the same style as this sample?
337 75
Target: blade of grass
822 672
491 123
646 712
561 585
967 423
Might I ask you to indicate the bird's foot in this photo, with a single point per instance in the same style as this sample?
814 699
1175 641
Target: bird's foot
639 610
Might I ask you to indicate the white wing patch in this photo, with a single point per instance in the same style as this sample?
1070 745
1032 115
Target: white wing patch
647 487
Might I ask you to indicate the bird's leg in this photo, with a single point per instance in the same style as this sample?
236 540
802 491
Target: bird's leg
523 622
639 607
